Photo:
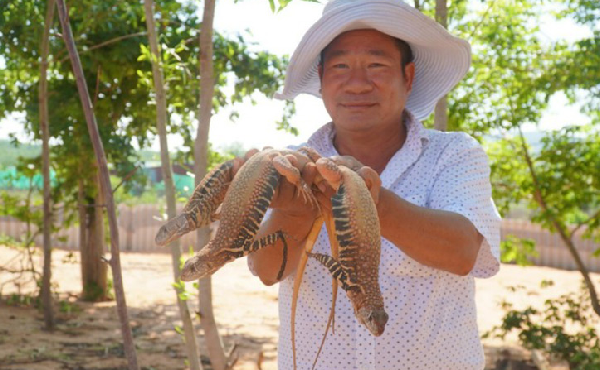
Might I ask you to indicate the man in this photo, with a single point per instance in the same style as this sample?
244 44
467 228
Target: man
380 66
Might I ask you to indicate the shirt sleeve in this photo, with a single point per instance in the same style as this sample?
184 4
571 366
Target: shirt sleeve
462 185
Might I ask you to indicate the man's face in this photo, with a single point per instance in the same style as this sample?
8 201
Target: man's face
362 83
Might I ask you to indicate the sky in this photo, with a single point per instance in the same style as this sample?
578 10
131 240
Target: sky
279 34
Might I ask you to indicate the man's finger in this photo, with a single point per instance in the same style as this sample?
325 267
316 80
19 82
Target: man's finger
250 153
237 164
309 173
372 180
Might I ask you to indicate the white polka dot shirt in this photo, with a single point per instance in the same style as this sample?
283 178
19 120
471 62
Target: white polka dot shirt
432 314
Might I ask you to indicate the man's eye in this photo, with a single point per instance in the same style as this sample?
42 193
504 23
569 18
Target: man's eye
375 65
339 66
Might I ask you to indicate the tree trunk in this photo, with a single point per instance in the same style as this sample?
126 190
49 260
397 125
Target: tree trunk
82 88
95 271
440 118
440 115
83 227
161 127
207 84
44 124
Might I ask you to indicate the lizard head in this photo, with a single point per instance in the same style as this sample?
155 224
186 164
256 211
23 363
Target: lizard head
203 265
373 319
173 230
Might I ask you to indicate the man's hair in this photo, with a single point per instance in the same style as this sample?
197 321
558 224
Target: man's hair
403 47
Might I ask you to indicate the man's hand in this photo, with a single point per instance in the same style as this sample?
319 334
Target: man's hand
329 180
292 213
288 196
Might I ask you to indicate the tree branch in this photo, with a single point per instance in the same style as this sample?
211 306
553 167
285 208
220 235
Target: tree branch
105 43
92 125
562 232
587 221
127 177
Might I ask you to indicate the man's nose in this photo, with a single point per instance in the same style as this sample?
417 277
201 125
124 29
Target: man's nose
358 81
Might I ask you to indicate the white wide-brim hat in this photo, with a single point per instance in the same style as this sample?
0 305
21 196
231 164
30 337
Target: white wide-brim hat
441 60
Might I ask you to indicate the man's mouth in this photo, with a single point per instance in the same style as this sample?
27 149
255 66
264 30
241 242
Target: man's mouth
358 105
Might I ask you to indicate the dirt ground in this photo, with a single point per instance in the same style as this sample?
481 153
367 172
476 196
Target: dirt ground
88 335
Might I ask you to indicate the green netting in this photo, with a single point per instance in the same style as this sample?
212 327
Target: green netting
10 179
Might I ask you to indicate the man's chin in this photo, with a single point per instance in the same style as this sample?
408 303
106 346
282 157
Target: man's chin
355 122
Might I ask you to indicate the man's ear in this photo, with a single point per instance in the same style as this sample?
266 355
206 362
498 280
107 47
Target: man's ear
409 76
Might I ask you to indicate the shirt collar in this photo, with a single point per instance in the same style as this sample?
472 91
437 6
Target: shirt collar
416 141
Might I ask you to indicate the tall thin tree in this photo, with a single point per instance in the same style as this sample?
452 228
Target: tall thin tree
45 127
161 128
207 85
440 119
105 186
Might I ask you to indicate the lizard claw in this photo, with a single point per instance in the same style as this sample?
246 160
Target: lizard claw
287 166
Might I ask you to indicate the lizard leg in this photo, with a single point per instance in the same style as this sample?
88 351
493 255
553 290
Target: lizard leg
208 260
287 166
343 275
335 249
266 241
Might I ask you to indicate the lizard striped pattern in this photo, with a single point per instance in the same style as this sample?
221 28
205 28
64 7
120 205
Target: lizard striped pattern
243 208
200 210
358 237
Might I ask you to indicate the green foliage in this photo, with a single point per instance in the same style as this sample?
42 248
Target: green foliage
503 89
25 211
179 330
27 205
517 250
514 75
582 11
567 177
112 43
66 306
22 300
510 177
563 328
182 293
92 292
11 153
8 241
568 171
281 4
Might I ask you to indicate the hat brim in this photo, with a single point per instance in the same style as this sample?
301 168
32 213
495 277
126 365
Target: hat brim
441 60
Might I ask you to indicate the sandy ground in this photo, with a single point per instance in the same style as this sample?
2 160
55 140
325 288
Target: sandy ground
246 311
